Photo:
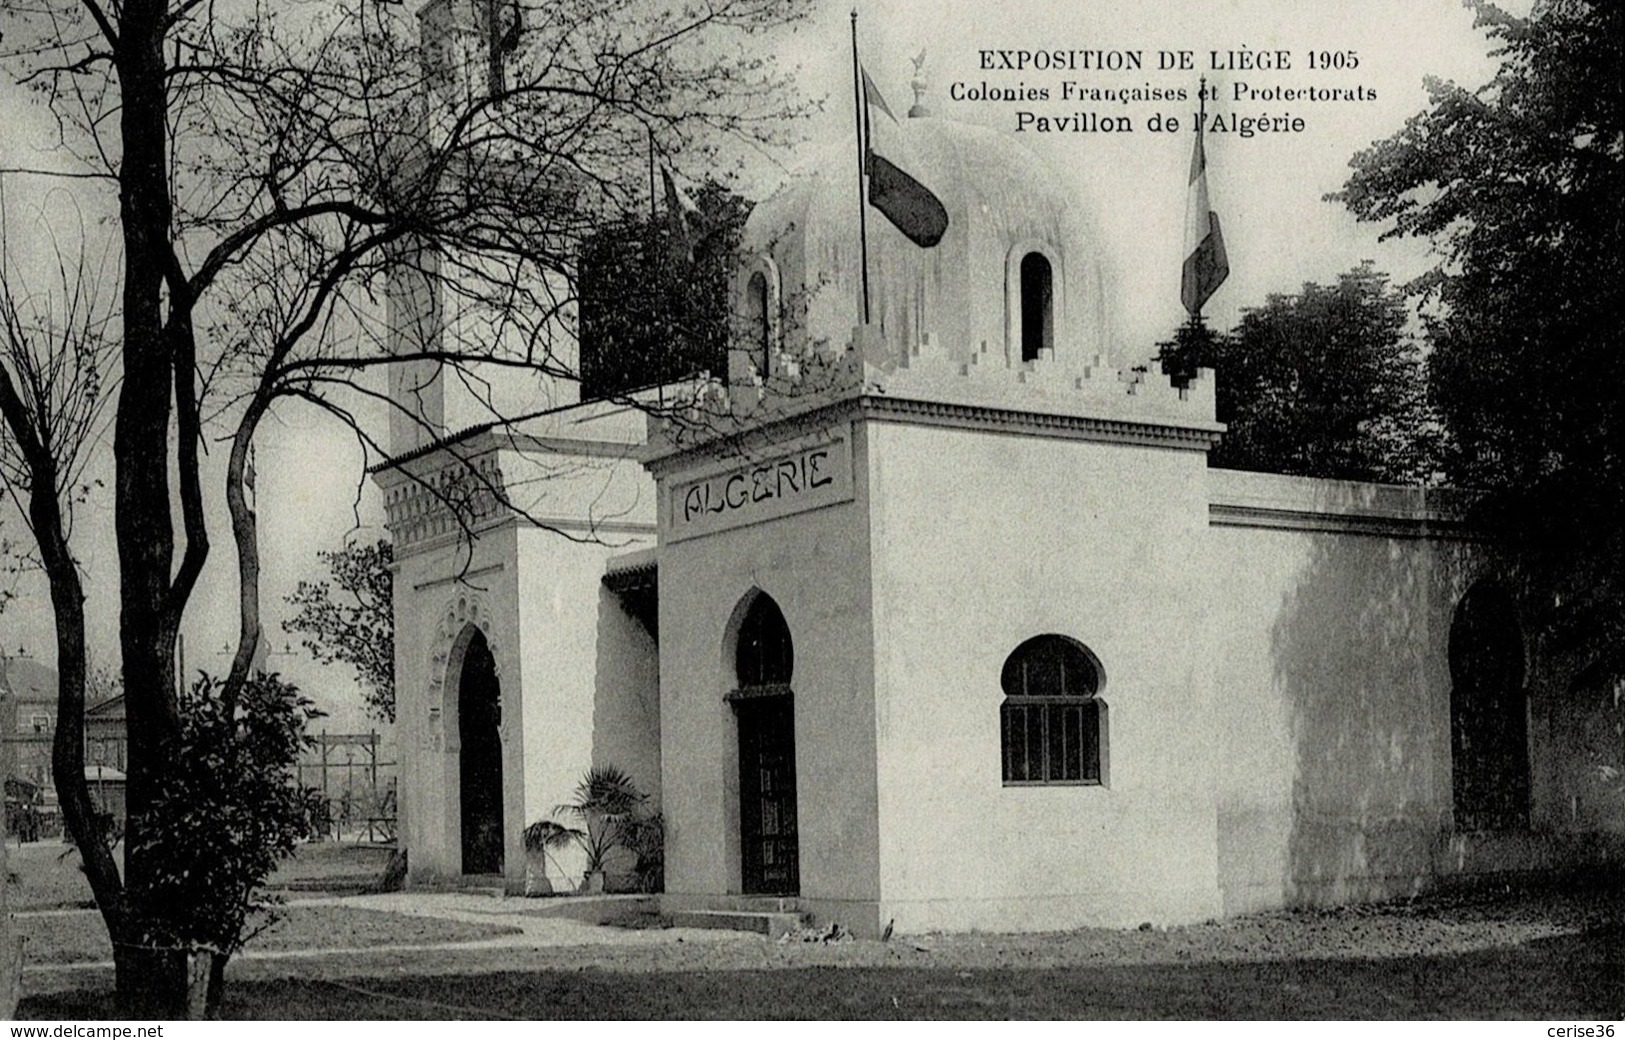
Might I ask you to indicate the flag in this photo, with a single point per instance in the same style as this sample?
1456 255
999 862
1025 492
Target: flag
688 224
871 94
908 204
501 41
1206 266
510 38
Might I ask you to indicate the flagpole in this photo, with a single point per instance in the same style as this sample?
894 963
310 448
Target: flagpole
1201 130
1201 106
863 219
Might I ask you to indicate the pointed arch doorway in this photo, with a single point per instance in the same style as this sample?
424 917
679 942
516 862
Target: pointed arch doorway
764 708
1488 727
479 760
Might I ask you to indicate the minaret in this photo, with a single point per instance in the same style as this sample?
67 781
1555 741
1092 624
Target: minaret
413 313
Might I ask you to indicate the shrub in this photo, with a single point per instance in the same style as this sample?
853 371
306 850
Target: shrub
227 808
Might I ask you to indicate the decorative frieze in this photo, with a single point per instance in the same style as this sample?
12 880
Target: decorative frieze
463 494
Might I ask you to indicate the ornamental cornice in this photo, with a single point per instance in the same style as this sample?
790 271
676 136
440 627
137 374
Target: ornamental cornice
1190 435
1392 525
434 504
1151 431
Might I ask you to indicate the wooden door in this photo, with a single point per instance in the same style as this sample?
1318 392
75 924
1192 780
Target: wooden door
770 856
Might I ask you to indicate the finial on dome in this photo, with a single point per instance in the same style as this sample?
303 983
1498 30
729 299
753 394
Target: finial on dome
919 83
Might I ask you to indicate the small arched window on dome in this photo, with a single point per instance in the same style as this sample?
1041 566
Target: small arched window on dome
1052 723
759 324
1037 307
755 333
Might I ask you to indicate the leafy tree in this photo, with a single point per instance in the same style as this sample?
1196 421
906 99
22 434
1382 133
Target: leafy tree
353 624
654 302
1520 188
1322 383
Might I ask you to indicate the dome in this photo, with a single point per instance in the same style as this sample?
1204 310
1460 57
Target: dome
1017 274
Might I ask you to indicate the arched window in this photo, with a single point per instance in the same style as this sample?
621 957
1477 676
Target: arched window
1037 306
764 656
1052 722
760 325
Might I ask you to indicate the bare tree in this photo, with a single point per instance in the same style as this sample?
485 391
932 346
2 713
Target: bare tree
279 178
57 355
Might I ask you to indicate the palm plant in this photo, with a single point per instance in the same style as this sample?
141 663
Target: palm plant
540 838
606 803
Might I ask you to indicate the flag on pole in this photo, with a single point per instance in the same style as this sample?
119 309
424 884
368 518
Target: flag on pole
502 39
688 223
1206 266
911 207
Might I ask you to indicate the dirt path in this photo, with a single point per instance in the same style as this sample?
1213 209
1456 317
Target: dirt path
1437 957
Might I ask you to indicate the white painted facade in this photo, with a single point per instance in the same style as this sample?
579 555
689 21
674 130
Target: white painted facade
918 497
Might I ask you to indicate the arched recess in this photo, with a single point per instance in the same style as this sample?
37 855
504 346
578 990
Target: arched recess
763 662
479 754
757 332
465 681
1489 752
1034 300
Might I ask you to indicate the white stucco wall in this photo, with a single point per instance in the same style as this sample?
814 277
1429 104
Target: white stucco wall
437 593
983 540
813 564
1332 603
583 705
1335 688
531 581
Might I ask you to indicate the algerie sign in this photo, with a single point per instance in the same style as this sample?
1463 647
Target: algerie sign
755 489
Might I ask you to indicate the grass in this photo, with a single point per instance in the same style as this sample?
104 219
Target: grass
332 866
1566 977
1501 951
47 875
80 937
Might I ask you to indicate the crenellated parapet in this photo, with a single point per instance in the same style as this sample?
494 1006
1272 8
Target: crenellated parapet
1137 405
1087 386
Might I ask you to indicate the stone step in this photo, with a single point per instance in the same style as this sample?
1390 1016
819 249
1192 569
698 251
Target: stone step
469 884
755 904
771 924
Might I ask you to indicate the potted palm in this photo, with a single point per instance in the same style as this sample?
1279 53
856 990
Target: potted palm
540 838
606 804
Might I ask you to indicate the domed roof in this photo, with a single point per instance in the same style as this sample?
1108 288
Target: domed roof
1003 203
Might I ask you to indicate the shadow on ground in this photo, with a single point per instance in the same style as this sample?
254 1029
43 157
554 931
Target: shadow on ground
1578 977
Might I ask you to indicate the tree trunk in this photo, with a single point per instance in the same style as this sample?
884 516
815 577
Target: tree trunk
149 983
11 945
33 432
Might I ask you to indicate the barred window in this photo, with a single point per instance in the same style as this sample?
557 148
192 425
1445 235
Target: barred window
1052 720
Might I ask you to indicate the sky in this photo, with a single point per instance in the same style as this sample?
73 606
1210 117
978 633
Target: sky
1267 190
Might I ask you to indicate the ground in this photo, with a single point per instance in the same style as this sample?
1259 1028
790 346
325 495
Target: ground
1511 951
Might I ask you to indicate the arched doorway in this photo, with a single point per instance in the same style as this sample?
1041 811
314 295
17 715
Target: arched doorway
764 707
479 715
1488 732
